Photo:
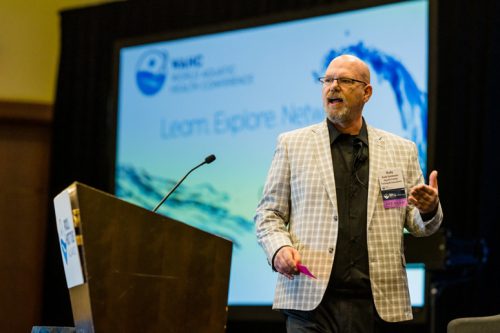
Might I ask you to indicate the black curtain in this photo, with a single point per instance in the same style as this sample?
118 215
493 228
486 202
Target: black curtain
466 152
467 145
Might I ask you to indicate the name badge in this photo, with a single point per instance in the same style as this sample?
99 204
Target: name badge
393 189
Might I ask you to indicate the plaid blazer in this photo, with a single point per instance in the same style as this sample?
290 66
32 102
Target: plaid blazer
299 208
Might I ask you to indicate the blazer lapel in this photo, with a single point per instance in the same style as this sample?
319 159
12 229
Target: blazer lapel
325 163
377 152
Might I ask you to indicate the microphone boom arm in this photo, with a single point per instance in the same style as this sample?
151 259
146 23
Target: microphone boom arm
209 159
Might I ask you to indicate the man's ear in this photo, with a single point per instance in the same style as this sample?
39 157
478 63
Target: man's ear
368 92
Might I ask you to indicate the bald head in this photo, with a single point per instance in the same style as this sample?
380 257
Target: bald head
352 64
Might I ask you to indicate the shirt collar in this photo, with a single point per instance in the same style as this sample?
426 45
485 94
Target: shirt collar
334 133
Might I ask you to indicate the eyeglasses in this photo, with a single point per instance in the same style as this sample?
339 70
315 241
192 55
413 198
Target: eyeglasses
341 81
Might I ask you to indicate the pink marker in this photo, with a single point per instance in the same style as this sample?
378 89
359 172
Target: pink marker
303 269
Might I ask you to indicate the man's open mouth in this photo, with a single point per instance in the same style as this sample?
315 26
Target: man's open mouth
332 100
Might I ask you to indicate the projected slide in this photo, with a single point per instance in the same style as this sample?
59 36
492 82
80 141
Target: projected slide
232 93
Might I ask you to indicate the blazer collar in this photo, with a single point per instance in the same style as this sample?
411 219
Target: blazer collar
325 163
376 144
377 153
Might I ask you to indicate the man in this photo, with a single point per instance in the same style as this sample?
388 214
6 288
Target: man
336 200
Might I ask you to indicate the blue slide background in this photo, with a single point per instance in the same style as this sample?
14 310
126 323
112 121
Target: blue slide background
232 93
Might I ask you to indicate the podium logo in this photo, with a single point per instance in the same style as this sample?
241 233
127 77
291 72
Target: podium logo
64 250
151 72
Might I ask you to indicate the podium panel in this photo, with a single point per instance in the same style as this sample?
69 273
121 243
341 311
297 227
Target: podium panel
143 272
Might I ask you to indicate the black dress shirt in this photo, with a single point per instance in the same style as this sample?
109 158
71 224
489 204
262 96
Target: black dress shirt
350 273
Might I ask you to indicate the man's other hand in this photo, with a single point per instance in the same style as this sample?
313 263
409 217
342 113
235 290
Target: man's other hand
425 197
286 260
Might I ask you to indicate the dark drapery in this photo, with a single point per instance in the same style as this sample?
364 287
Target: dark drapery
466 144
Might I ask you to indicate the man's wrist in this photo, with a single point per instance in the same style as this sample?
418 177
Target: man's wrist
428 216
274 256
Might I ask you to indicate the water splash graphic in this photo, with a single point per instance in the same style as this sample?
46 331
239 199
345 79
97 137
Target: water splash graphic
201 206
411 101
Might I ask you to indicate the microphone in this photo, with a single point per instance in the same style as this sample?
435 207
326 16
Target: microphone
209 159
360 158
360 154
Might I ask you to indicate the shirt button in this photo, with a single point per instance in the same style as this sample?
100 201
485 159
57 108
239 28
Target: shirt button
330 250
335 218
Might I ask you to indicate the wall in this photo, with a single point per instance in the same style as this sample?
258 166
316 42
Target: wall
29 47
29 51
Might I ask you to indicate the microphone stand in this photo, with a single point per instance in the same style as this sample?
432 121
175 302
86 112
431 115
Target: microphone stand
207 160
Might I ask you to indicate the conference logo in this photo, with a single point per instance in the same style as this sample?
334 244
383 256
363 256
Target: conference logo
64 245
151 71
64 250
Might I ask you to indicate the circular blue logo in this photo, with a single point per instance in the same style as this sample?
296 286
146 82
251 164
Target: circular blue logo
151 72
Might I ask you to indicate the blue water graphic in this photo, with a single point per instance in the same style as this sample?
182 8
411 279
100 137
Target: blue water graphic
150 83
411 101
200 206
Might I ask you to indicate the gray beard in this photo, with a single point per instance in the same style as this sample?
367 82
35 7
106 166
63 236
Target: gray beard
341 118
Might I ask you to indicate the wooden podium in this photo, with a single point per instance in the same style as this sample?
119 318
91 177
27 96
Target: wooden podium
140 271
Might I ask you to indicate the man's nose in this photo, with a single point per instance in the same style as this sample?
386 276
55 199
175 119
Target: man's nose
334 85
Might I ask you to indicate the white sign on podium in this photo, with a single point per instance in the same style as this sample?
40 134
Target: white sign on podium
67 240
